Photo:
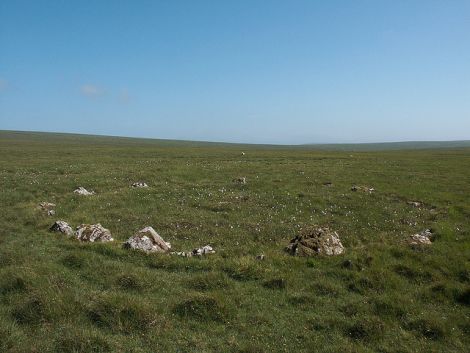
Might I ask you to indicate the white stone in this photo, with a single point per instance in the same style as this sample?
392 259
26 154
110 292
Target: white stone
82 191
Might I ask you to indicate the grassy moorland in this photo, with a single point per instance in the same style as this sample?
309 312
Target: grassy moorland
381 295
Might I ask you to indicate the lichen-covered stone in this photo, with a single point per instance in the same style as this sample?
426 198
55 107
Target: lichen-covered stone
62 227
147 240
314 241
93 233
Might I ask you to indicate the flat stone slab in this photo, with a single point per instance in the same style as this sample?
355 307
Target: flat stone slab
47 207
147 240
366 189
62 227
415 203
93 233
205 250
82 191
316 240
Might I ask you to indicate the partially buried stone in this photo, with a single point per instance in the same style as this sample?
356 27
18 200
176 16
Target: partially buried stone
140 184
93 233
147 240
423 238
82 191
207 249
46 206
241 180
314 241
61 227
367 189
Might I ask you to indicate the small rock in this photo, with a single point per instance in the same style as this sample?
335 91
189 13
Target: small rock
260 257
415 203
278 283
82 191
423 238
181 253
314 241
147 240
62 227
93 233
207 249
243 153
347 264
46 206
241 180
363 189
328 183
140 184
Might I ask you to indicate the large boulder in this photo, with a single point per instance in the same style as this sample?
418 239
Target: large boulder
147 240
82 191
93 233
62 227
314 241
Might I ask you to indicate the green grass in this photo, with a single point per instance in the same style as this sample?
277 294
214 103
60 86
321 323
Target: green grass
381 295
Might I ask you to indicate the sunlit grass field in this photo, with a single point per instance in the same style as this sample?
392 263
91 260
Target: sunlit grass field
381 295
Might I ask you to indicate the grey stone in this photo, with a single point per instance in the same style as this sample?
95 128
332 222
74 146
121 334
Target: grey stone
93 233
147 240
366 189
139 184
62 227
241 180
207 249
422 238
314 241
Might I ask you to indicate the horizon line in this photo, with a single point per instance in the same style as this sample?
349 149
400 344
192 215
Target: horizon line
235 142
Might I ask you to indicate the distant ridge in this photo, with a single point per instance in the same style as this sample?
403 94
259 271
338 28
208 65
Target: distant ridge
59 137
384 146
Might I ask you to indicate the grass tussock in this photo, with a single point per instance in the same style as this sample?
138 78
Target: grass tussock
123 315
202 308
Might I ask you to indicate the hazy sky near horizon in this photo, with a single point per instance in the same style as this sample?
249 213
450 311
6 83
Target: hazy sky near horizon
240 71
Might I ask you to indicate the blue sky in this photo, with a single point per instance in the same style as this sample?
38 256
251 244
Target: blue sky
240 71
